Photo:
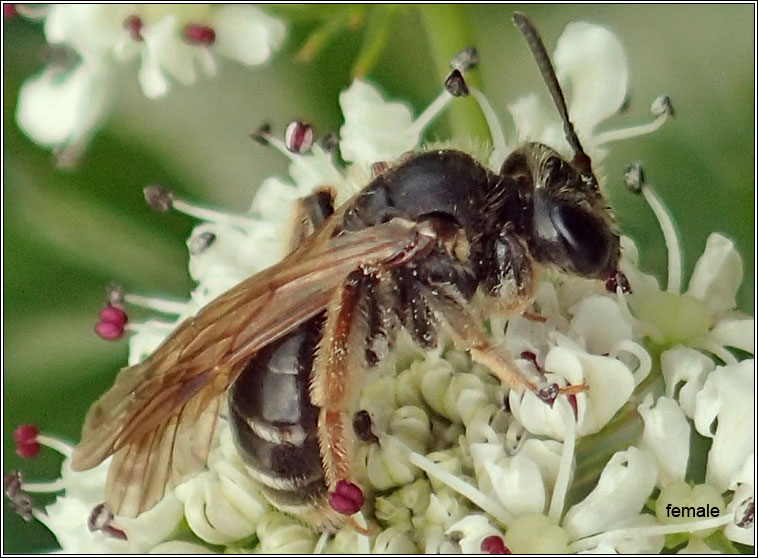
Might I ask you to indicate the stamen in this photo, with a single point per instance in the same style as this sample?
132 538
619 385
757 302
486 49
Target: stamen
161 305
262 134
133 24
298 136
162 200
27 445
494 545
456 85
616 281
635 181
329 142
379 168
100 520
651 531
431 112
560 490
531 357
548 393
9 11
112 322
347 498
322 540
362 427
465 60
197 244
45 487
20 502
200 35
55 444
499 147
662 109
460 486
744 516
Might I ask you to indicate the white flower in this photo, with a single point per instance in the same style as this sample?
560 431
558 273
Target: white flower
62 107
591 65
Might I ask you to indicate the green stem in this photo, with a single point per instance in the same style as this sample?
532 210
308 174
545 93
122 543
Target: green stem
448 32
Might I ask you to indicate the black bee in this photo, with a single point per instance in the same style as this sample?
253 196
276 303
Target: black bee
431 245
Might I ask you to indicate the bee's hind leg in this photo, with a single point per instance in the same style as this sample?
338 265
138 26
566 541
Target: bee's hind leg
340 358
468 333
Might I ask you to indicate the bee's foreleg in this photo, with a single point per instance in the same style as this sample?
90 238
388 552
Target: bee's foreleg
468 333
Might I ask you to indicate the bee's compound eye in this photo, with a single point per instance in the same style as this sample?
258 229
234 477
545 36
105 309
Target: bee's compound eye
585 237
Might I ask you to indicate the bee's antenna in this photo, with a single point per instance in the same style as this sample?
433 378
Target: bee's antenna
525 25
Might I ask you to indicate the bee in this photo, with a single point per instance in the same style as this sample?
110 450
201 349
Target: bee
419 247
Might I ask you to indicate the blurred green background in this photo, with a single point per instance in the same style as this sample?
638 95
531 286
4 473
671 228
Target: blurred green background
67 234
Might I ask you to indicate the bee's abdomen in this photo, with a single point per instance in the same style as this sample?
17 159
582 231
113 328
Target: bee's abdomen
275 424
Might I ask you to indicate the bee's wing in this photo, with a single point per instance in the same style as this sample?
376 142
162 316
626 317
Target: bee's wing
159 416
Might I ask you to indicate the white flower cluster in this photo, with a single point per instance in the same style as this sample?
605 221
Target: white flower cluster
461 464
63 105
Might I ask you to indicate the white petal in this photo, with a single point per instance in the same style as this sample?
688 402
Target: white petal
666 436
165 52
275 200
599 322
474 528
682 364
56 109
518 484
88 28
534 123
727 397
591 64
717 275
623 488
374 129
734 331
247 34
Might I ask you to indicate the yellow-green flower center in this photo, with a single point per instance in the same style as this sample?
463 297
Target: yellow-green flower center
536 534
678 318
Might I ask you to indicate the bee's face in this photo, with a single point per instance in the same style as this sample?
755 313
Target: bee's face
567 223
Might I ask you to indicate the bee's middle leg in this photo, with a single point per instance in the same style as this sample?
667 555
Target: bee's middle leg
468 333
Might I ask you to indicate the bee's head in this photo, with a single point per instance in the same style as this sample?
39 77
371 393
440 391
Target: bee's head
564 219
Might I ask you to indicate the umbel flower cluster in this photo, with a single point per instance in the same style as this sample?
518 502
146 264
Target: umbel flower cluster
457 462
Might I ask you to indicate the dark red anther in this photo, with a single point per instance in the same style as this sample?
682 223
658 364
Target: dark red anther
362 427
745 516
298 136
113 315
574 406
9 11
100 519
329 142
548 394
134 24
109 331
27 445
494 545
347 498
456 85
159 198
531 357
200 35
616 280
379 168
